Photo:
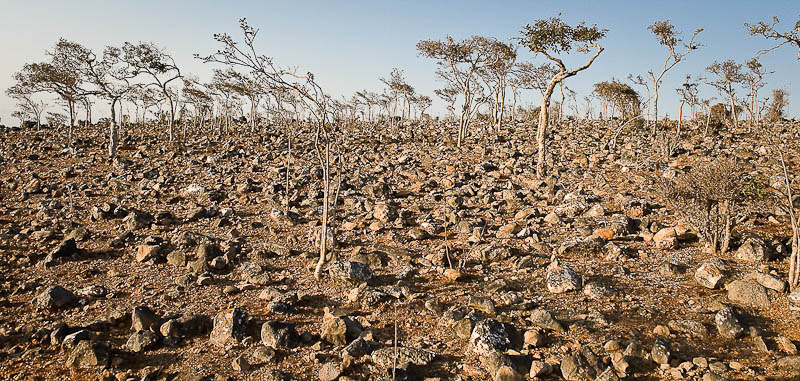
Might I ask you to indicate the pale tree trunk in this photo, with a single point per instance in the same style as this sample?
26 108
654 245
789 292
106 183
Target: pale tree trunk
113 137
464 122
541 132
71 109
733 110
501 108
561 105
323 244
655 110
171 119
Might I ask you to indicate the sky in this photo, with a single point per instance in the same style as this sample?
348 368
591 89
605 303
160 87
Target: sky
350 44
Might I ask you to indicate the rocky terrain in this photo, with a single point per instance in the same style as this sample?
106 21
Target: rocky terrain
182 263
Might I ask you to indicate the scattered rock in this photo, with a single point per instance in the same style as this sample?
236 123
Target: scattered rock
728 324
748 292
489 336
709 275
350 271
229 326
54 297
542 318
562 278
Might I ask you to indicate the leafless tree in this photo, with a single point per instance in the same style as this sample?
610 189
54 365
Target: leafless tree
198 96
62 75
397 88
495 74
754 80
780 99
28 107
768 31
459 63
794 260
670 38
111 77
242 54
728 74
154 63
552 37
449 95
638 80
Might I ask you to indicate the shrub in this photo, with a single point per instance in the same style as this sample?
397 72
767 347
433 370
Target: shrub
712 197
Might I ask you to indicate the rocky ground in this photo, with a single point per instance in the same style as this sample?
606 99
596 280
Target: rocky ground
180 262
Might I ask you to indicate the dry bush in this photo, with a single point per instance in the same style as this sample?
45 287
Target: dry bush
712 197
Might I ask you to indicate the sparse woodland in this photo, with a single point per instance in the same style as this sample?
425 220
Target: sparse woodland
253 226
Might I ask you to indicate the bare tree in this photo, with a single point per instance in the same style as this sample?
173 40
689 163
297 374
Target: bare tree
551 37
326 137
638 80
794 260
198 96
667 36
459 63
728 75
449 95
754 79
496 73
768 31
397 88
159 67
111 77
28 106
62 75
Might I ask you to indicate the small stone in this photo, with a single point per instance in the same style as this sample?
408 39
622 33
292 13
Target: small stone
542 318
89 354
229 327
278 334
753 250
700 362
329 371
708 275
748 292
562 278
351 271
728 324
141 340
147 252
786 345
144 319
176 258
540 369
54 297
263 355
533 338
240 364
453 275
506 373
489 336
661 352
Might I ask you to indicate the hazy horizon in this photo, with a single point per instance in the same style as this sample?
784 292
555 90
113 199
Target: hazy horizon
350 45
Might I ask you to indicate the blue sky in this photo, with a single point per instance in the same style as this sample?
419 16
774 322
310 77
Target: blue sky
349 45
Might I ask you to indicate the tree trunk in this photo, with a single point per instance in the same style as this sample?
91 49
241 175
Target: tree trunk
171 119
71 107
113 138
733 110
541 132
501 111
323 244
464 122
655 110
